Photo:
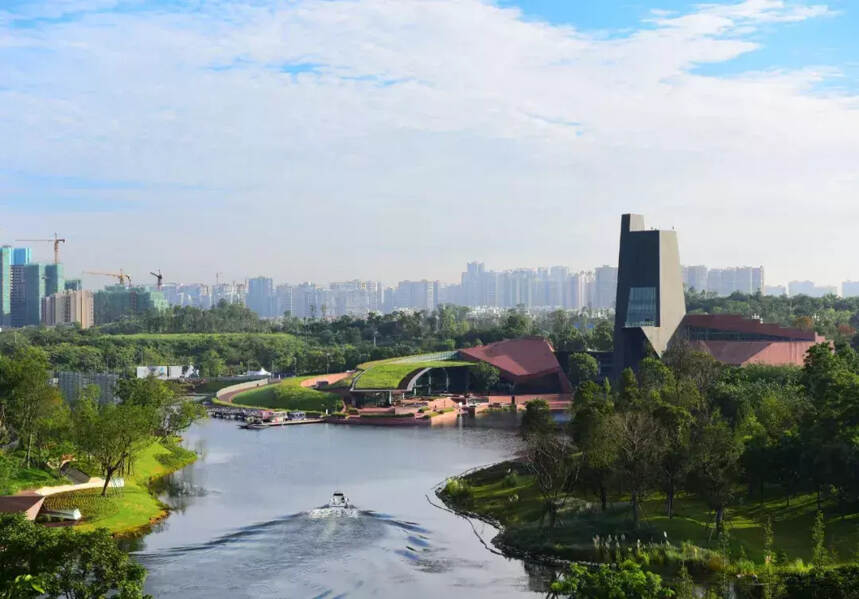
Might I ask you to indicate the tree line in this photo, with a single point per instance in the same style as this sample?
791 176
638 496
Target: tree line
687 423
293 346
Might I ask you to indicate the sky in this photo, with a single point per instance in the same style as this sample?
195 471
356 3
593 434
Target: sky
327 140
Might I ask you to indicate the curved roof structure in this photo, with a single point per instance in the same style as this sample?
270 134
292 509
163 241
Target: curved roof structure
519 359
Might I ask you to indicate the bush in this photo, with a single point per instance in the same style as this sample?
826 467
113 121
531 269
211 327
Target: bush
459 490
823 583
511 481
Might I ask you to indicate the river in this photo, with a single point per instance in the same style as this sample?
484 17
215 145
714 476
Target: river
243 523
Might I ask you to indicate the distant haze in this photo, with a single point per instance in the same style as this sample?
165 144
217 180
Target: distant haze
326 140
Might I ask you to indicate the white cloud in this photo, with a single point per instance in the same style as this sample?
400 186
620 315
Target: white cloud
424 130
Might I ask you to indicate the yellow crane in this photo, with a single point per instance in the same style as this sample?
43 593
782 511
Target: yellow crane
56 240
121 276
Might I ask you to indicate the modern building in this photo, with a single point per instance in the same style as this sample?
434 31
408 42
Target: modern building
650 303
415 295
73 285
740 279
850 289
808 288
71 384
261 298
54 279
69 307
115 301
605 287
775 290
738 341
528 363
695 278
21 256
5 286
28 289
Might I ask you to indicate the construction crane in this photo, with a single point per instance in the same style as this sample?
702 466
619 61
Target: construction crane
56 240
121 276
158 276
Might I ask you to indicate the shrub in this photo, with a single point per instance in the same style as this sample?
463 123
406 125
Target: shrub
823 583
459 490
511 481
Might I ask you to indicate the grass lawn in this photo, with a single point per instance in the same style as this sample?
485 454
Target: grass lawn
513 501
289 395
28 478
129 508
388 375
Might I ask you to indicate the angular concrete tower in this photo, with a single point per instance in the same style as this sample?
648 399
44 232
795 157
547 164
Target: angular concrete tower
650 302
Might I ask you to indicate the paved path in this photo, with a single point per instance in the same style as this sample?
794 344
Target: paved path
93 483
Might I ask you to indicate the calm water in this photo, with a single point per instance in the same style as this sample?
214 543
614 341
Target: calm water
244 525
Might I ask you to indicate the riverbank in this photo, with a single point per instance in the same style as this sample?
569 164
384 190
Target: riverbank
505 495
132 508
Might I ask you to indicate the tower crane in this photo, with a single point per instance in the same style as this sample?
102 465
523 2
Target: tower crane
56 240
158 276
121 276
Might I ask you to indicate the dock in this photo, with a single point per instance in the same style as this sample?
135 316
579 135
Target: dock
261 425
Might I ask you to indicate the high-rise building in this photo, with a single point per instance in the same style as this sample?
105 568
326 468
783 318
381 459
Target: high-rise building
54 279
605 287
810 289
850 289
28 289
261 296
73 285
650 301
5 286
743 279
695 277
67 307
415 295
775 290
113 302
21 256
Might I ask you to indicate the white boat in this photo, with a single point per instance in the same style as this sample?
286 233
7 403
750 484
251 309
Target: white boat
339 507
339 500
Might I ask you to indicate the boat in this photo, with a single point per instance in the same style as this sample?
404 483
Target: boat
339 507
339 500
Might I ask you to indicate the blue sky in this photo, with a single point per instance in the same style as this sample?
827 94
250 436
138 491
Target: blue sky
472 122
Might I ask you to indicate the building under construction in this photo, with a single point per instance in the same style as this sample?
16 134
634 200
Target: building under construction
116 301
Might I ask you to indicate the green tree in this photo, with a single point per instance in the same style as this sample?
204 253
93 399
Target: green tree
583 367
62 562
25 395
484 376
555 469
818 540
716 466
606 582
639 451
112 434
537 419
211 364
602 336
593 430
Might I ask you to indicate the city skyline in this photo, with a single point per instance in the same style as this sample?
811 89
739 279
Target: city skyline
510 132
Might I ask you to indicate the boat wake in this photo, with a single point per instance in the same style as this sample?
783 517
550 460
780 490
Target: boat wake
294 555
334 512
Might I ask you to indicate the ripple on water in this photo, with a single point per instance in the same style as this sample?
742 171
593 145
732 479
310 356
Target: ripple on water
293 555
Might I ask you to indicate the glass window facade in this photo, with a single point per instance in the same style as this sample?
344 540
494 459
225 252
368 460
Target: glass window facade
641 310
